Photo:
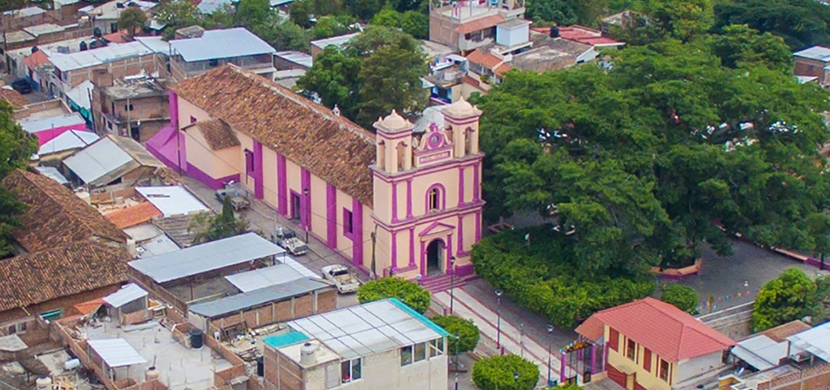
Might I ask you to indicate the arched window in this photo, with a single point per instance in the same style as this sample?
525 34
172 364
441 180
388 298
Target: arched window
434 199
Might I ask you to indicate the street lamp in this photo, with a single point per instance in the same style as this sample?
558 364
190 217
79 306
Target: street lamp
307 214
456 381
498 321
452 280
550 353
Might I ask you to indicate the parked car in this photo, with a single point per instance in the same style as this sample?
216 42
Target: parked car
341 277
22 85
288 240
238 195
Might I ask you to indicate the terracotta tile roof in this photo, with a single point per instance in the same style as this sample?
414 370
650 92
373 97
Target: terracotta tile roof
502 69
592 329
59 272
88 307
486 60
55 216
664 329
135 215
217 133
781 332
14 98
36 59
479 24
310 135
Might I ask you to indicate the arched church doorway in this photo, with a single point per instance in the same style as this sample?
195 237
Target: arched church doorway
435 256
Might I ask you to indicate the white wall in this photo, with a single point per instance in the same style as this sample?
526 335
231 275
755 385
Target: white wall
512 36
691 368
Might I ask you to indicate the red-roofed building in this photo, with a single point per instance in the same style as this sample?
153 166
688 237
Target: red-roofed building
653 345
583 35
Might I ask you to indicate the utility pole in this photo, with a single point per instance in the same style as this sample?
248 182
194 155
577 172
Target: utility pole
374 245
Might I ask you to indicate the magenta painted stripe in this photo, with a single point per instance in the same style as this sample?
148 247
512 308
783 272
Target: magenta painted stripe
394 250
357 228
478 226
394 202
412 247
423 260
173 103
460 186
331 216
282 187
449 255
409 199
203 177
258 185
476 184
305 203
458 250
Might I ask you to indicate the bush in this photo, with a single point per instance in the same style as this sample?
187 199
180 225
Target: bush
498 373
410 293
786 298
468 333
683 297
541 277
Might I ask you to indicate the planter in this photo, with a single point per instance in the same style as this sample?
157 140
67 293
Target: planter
679 273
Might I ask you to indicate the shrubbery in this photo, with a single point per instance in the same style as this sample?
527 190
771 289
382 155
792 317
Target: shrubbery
789 297
541 277
683 297
408 292
468 333
498 373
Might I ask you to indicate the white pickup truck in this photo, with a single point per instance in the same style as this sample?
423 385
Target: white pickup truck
341 277
289 241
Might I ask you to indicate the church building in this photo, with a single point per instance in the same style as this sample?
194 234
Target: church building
400 201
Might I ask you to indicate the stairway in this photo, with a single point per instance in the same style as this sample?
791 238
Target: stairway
441 283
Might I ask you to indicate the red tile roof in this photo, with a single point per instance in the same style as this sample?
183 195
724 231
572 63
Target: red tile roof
486 60
36 59
135 215
664 329
331 147
592 329
14 98
479 24
217 133
581 34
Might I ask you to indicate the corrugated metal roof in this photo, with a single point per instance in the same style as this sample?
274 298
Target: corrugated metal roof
172 200
760 352
45 124
210 6
820 53
97 160
338 41
125 295
215 44
157 246
815 341
81 93
264 277
72 139
102 55
296 57
155 44
206 257
238 302
116 352
369 328
53 173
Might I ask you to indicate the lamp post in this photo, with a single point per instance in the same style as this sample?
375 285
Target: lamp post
550 353
456 381
452 281
457 341
498 320
307 214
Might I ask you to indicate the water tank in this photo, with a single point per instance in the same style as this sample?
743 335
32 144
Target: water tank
196 338
96 32
554 32
307 354
260 366
151 374
71 364
44 383
84 46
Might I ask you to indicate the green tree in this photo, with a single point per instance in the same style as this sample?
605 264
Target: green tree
375 37
789 297
132 19
283 36
507 372
16 148
410 293
391 79
175 15
415 24
251 13
301 13
741 46
663 19
334 78
683 297
551 12
364 9
211 228
468 333
330 26
222 17
387 17
801 23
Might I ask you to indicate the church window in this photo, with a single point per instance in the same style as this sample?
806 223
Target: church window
434 199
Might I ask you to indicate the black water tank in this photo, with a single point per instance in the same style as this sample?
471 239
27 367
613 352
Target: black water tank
260 366
554 32
84 46
196 338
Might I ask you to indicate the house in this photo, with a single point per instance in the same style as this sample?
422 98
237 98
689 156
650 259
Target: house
650 344
339 42
473 24
207 50
377 345
79 99
113 160
128 305
48 120
134 106
54 151
56 217
417 193
105 16
764 351
813 62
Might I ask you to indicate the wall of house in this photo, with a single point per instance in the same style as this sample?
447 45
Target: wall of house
690 368
63 303
118 69
512 36
442 29
215 163
290 309
810 67
646 375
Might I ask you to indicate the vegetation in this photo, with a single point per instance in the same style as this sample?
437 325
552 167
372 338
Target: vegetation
801 23
468 333
16 148
175 15
211 228
544 276
792 296
683 297
507 372
132 19
379 71
411 22
410 293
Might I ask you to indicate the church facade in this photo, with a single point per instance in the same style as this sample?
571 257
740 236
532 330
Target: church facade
394 202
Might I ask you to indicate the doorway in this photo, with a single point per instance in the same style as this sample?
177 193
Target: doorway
135 133
295 206
435 257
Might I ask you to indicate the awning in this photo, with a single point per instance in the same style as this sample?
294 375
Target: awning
125 295
116 352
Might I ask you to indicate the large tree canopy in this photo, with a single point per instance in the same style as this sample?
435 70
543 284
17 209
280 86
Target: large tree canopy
16 148
662 149
802 23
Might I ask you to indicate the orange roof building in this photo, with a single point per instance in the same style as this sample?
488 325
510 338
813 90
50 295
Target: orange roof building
133 216
655 345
